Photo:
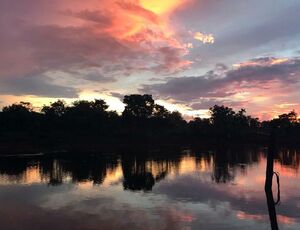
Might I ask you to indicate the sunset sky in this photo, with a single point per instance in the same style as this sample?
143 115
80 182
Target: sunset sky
189 54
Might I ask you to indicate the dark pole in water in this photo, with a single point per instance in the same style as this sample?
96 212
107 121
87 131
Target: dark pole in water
268 183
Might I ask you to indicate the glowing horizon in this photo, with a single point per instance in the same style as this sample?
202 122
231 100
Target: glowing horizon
188 54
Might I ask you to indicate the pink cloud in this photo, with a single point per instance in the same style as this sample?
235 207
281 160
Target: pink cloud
117 37
261 85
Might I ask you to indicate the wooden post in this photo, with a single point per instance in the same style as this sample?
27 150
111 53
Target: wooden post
268 183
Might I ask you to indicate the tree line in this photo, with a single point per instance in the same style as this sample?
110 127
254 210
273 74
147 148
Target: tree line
142 118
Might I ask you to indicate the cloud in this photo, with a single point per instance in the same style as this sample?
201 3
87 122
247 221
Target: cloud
112 34
164 7
117 95
96 16
37 85
129 40
140 11
92 75
119 38
214 197
171 60
204 38
248 82
206 103
249 31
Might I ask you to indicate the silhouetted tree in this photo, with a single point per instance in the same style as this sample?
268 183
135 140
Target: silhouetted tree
142 119
200 127
286 120
21 108
87 117
229 124
286 126
222 119
138 106
20 117
291 117
83 106
160 111
56 109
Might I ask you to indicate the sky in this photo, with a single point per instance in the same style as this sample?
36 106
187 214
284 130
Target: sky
189 54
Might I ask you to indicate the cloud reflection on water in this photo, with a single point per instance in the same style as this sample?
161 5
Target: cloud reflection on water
189 191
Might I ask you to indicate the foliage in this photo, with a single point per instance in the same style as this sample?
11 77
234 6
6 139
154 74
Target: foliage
141 118
138 106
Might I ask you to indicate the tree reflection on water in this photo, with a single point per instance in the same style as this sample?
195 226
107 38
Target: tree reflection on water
226 178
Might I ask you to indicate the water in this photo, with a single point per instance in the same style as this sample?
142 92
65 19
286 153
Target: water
190 189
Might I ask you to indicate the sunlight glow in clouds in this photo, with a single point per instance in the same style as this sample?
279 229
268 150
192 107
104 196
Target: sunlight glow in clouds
95 41
72 48
204 38
162 6
261 84
146 24
262 62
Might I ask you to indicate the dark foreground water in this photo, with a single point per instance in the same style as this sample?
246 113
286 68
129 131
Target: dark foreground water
190 189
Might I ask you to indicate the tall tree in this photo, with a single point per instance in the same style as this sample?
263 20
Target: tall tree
138 106
56 109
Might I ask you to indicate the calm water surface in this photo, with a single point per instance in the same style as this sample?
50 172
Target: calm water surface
179 190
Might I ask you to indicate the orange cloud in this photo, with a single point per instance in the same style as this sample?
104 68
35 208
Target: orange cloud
95 33
262 62
162 7
143 26
285 219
